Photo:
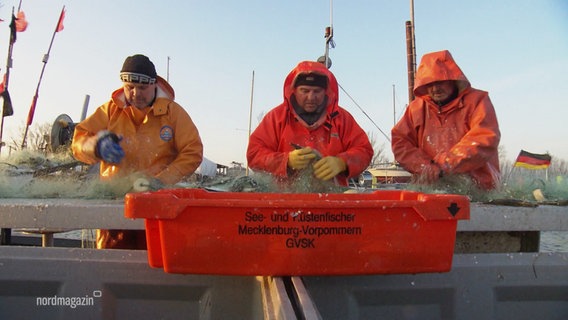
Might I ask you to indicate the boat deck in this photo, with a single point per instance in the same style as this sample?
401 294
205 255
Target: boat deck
63 283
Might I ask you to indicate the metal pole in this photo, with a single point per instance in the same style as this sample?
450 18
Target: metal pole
250 115
410 61
330 35
44 60
413 24
7 103
85 107
1 130
393 107
168 70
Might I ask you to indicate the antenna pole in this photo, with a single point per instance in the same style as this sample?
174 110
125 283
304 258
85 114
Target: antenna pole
329 37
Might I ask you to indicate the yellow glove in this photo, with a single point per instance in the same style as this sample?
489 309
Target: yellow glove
329 167
300 158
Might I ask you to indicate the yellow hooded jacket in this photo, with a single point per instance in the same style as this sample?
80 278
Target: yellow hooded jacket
166 144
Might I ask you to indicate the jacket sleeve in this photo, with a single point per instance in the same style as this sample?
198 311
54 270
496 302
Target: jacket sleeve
263 152
404 139
84 136
188 144
479 144
358 150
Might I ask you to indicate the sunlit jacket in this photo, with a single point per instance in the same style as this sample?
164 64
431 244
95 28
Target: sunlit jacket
462 137
335 134
166 145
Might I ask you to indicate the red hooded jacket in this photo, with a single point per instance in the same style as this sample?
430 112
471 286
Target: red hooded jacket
336 133
460 137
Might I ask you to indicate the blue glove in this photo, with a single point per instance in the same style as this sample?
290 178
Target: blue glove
108 147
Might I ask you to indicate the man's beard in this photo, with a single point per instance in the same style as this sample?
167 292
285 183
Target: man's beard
309 117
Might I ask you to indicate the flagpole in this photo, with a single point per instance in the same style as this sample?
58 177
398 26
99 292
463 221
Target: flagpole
7 109
44 60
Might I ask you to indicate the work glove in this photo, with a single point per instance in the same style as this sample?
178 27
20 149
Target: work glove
328 167
300 158
108 147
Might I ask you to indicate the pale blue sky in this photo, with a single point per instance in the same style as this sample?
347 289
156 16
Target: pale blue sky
517 50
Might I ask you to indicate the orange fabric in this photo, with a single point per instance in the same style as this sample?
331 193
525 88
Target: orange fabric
21 22
121 239
335 134
160 141
166 145
461 137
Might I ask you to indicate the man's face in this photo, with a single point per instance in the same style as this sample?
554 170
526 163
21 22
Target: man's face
441 91
139 95
309 97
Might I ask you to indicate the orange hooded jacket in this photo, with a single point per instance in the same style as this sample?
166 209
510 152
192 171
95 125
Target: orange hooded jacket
166 145
460 138
336 133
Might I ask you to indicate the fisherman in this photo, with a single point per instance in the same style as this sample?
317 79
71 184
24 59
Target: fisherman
310 129
449 129
139 131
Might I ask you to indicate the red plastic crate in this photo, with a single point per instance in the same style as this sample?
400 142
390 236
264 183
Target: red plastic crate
200 232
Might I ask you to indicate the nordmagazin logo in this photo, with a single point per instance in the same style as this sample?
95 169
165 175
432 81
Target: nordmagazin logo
71 302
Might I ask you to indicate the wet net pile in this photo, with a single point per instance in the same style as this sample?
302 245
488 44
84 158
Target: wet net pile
35 175
524 188
28 175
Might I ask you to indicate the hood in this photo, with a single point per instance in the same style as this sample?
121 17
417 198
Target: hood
438 66
309 67
165 90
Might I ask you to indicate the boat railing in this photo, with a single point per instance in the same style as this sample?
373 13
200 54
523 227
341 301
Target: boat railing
50 216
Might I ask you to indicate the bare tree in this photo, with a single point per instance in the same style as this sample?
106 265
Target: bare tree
505 165
558 167
37 139
379 156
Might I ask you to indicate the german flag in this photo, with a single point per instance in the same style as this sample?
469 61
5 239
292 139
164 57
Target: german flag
533 161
